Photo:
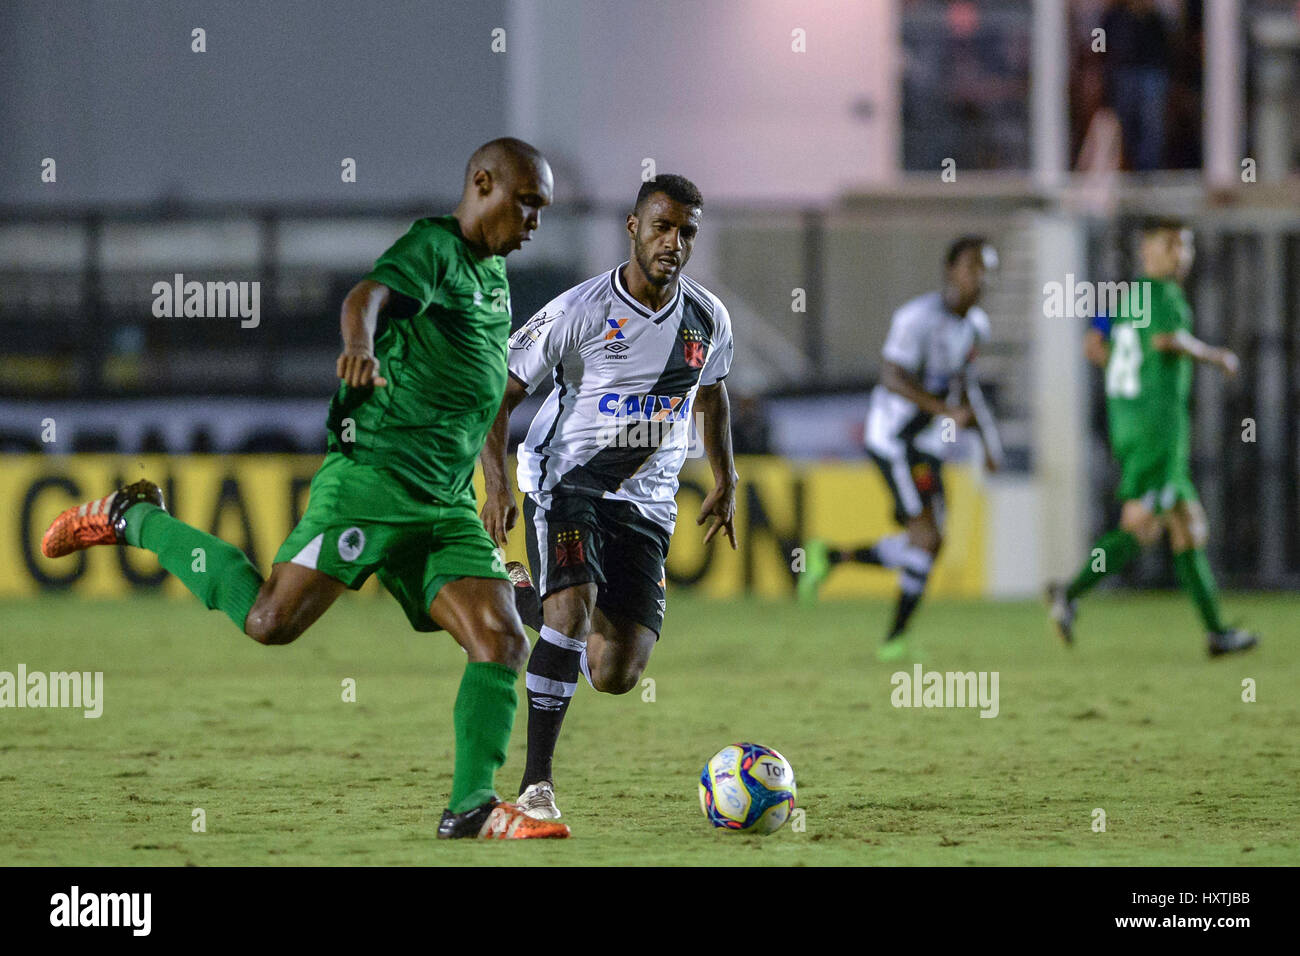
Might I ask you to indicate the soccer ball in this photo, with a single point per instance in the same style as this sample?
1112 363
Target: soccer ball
747 788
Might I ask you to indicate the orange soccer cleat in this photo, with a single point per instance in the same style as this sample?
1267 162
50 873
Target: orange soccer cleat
101 521
499 820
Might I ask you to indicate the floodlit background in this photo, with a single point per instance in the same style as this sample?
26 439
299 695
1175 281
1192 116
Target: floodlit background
819 133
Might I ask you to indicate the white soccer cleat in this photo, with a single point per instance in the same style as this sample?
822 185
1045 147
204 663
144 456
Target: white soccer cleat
538 801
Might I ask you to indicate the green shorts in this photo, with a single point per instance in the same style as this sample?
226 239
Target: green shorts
1157 476
360 520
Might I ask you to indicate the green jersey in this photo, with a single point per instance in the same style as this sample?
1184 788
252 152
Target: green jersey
445 365
1147 390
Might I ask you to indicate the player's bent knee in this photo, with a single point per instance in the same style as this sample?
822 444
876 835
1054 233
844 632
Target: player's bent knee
270 625
512 649
501 639
619 682
925 536
567 612
1142 525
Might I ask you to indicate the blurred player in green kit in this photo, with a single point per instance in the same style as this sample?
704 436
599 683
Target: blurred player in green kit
1148 374
394 495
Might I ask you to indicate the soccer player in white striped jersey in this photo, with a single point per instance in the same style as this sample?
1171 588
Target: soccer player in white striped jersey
927 375
637 356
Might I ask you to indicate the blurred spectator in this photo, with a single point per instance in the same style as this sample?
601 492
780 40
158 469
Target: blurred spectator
1187 68
1138 61
965 83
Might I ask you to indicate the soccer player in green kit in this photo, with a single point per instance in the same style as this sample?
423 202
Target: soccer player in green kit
1148 375
394 495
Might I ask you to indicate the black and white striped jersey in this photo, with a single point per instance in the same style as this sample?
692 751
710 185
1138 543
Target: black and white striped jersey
935 345
619 422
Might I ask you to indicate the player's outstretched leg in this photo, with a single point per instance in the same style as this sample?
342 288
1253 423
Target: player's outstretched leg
612 657
479 613
217 573
816 569
820 558
551 682
1187 534
1112 552
913 553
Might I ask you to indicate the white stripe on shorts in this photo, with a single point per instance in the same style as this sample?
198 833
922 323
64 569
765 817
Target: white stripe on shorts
906 486
543 549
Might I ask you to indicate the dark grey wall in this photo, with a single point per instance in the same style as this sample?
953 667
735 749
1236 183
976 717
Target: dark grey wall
286 90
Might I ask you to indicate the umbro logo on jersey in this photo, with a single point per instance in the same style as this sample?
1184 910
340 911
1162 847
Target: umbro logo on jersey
615 328
617 347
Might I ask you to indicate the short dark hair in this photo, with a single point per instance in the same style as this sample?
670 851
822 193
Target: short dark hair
1150 224
504 149
960 245
677 188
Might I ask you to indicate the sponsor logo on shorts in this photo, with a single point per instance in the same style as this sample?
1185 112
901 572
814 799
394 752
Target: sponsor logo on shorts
351 543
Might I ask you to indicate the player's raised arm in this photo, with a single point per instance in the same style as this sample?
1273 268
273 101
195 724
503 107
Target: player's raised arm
357 365
1182 342
720 505
500 512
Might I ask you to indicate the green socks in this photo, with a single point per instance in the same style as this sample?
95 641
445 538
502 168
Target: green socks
220 576
484 714
1117 548
217 573
1195 578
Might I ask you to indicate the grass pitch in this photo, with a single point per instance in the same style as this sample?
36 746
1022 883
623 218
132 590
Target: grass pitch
1135 721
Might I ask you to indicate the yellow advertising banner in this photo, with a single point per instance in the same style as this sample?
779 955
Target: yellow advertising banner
254 500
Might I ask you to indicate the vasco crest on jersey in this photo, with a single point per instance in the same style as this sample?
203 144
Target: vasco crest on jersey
695 347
